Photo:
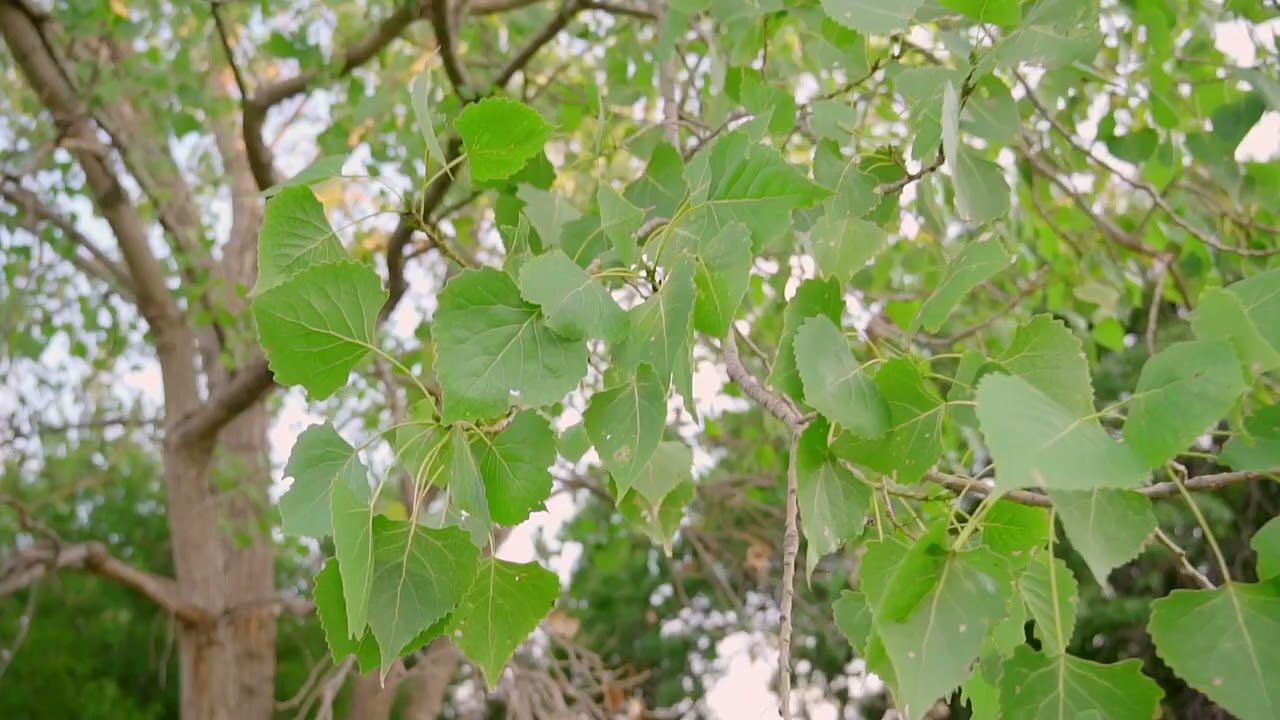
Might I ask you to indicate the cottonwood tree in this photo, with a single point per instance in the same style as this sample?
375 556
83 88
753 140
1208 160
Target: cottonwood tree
929 224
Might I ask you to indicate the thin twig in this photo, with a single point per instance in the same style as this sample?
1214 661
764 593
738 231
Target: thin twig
1183 562
225 37
1153 312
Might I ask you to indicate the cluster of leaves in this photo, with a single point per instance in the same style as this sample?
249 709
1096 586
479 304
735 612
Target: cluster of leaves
657 266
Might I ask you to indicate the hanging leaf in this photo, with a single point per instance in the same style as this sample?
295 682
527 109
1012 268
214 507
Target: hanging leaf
504 605
813 298
1038 686
1181 392
872 16
975 264
1266 543
833 503
514 466
835 384
421 96
914 441
1225 643
419 575
1107 527
619 220
1052 600
670 468
500 136
1258 447
1036 443
318 324
320 458
722 268
494 349
658 327
1051 358
843 245
576 307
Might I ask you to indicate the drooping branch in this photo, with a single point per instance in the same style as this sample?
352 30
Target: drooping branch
46 77
98 265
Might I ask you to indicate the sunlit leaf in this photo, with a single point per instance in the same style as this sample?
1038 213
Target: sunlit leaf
503 606
500 136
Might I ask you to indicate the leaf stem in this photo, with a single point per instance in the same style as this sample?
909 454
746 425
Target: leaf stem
972 524
1176 474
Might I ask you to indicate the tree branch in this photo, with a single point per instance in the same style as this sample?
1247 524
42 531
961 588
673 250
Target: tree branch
441 26
1156 197
98 264
26 42
790 548
28 565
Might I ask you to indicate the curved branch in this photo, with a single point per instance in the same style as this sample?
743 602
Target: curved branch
28 565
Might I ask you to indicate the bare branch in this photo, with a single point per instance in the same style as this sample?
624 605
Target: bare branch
568 9
224 36
1156 196
776 405
26 566
245 388
448 52
98 264
35 59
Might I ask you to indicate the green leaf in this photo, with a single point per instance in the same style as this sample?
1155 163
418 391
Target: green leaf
500 136
1012 529
833 503
515 466
872 16
835 384
722 270
659 521
1266 543
853 617
573 443
1037 443
813 298
659 326
661 189
671 467
352 518
1036 686
421 97
548 213
1225 643
295 236
318 324
1258 446
466 488
619 220
332 609
1182 391
933 650
752 184
494 349
320 458
625 424
1000 12
1052 600
1052 34
1220 315
419 575
1260 296
914 441
504 605
576 306
1051 358
321 169
977 262
843 245
1107 527
897 581
982 193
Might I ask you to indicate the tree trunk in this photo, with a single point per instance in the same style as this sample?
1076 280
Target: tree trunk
223 558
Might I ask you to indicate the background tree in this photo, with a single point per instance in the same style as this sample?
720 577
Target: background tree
949 275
